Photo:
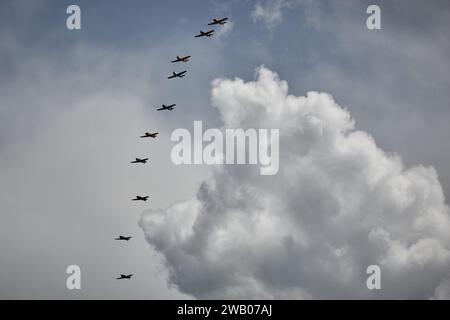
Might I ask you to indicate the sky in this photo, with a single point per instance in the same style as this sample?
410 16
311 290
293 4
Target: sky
363 116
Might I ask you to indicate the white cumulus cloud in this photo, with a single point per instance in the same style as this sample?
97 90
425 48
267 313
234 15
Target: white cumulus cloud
337 205
270 12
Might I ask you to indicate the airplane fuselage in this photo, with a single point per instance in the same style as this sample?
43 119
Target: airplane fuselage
220 21
150 135
175 75
140 160
205 34
164 107
138 198
123 238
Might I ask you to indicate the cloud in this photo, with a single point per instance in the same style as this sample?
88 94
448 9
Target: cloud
225 29
338 204
271 12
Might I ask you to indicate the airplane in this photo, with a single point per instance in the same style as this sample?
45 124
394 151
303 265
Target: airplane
204 34
149 135
140 160
164 107
181 59
125 276
218 21
140 198
177 75
123 238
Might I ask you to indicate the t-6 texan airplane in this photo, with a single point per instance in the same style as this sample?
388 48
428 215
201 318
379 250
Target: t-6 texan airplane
123 238
177 75
149 135
125 276
181 59
218 21
140 160
140 198
204 34
164 107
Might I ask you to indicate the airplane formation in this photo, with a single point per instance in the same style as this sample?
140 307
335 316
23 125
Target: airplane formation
125 276
218 21
138 160
153 135
202 33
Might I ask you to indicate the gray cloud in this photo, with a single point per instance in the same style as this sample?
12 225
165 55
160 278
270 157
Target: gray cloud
70 99
338 205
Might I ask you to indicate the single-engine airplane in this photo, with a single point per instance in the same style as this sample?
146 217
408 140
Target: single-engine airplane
181 59
125 276
138 160
140 198
204 34
218 21
149 135
177 75
123 238
164 107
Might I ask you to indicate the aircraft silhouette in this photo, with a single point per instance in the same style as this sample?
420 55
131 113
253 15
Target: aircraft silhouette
123 238
218 21
140 198
125 276
164 107
140 160
181 59
204 34
177 75
149 135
